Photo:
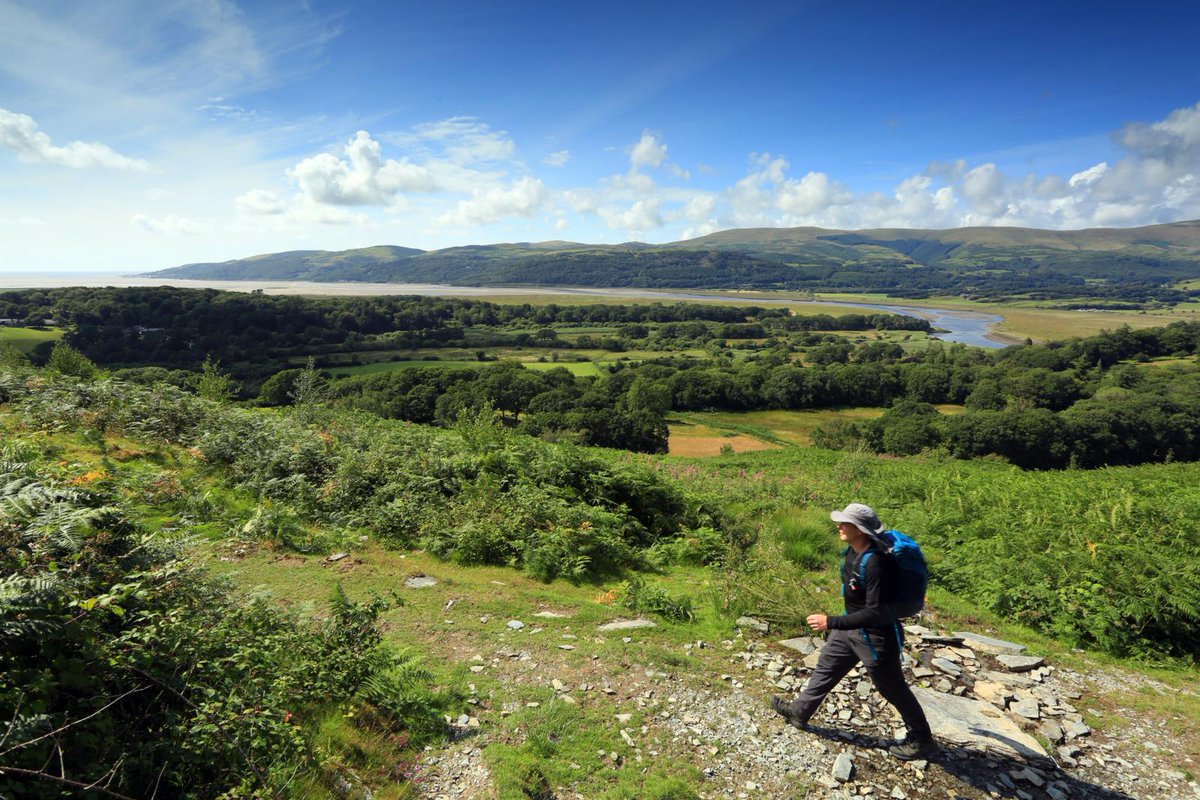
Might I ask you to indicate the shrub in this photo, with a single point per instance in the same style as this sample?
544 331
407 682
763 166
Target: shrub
639 596
122 658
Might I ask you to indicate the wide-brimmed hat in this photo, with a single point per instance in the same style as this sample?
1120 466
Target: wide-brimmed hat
860 516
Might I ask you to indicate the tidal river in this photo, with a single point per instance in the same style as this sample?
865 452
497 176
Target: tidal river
968 327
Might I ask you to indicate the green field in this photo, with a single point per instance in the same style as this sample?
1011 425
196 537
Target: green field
396 366
574 367
26 339
771 428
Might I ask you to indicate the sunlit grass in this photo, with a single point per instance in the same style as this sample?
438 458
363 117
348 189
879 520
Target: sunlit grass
26 339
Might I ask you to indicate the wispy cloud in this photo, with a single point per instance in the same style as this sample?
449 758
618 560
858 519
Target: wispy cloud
169 225
19 133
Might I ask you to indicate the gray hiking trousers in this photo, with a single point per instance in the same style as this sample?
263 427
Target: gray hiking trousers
844 649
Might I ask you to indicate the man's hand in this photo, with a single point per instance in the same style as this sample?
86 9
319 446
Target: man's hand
818 622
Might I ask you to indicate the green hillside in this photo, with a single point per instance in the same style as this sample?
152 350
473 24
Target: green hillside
296 265
245 579
1132 264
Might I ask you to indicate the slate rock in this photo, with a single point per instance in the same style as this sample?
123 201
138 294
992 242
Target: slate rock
990 645
1073 730
1020 663
419 582
948 667
801 644
1051 730
995 693
626 625
975 725
1009 678
551 615
516 624
1026 708
939 638
753 624
843 767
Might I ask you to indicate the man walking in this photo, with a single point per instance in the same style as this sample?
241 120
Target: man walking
868 632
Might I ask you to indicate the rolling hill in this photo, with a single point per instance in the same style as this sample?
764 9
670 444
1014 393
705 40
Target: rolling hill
1133 264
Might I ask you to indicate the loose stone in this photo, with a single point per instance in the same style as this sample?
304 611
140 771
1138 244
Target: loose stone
843 767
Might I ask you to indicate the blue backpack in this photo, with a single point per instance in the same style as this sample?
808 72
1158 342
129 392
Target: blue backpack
912 576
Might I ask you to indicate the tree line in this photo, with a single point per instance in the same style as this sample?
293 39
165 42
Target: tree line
1084 402
254 335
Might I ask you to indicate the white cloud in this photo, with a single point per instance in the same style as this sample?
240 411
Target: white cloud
700 207
489 205
362 178
561 224
631 184
678 171
811 195
260 201
557 159
19 133
169 225
583 201
1089 175
642 216
23 221
648 151
462 140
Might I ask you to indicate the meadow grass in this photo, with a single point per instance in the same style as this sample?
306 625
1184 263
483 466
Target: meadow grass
779 426
584 368
26 339
1045 324
396 366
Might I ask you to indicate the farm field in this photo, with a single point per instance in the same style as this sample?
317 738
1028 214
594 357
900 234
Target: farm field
574 367
26 339
704 433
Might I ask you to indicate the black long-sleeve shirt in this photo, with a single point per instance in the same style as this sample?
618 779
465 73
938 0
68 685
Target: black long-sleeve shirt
866 601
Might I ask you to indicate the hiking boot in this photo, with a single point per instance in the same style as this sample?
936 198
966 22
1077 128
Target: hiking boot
909 748
784 709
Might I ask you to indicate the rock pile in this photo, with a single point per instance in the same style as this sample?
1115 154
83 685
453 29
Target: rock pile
985 698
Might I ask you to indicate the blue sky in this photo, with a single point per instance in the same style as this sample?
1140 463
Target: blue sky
139 135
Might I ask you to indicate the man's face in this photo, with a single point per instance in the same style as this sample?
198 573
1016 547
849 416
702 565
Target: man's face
848 532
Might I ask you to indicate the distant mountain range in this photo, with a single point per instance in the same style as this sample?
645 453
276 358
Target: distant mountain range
1127 263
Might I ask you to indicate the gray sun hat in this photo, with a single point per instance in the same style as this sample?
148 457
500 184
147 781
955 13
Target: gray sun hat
860 516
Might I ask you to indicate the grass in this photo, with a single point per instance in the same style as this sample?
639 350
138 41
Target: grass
585 368
784 494
396 366
574 367
768 427
26 339
792 427
1045 324
694 439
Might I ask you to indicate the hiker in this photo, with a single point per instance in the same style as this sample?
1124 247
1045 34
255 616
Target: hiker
867 632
